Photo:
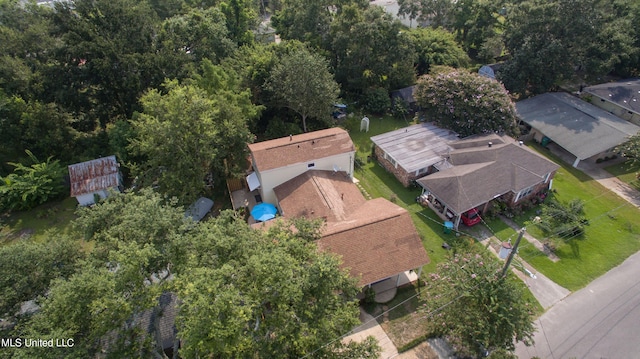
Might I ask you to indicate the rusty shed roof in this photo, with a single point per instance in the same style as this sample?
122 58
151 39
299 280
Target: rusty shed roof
95 175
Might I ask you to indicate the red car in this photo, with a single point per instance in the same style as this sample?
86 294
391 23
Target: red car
471 217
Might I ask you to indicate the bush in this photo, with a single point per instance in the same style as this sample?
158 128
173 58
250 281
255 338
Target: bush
28 187
376 100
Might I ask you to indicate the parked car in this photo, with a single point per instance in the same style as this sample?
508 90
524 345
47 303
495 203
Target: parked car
471 217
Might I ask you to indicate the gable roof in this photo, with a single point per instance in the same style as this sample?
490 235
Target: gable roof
416 147
302 148
624 93
376 239
95 175
481 173
577 126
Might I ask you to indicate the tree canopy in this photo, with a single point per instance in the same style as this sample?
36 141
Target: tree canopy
303 83
242 292
477 309
466 102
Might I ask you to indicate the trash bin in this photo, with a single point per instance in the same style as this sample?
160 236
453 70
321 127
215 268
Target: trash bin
448 227
545 141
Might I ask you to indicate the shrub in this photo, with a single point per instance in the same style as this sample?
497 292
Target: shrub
376 100
31 186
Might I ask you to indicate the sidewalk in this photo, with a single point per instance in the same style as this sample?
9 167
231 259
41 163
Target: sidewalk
546 291
370 327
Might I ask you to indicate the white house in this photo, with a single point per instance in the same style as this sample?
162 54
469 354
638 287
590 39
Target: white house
277 161
94 178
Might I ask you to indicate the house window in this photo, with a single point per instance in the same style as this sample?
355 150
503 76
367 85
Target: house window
525 192
422 171
311 165
391 160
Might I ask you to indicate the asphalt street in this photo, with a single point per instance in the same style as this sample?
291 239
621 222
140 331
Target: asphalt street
601 320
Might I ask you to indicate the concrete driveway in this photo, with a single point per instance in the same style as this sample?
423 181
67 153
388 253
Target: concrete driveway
598 321
370 327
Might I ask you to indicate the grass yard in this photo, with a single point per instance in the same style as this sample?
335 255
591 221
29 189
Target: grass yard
376 181
612 236
33 224
626 172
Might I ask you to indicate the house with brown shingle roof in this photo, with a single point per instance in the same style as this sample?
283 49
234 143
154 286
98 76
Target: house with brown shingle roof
277 161
485 168
376 239
94 178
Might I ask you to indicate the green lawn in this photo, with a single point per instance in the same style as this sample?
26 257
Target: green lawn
54 216
612 236
380 183
626 172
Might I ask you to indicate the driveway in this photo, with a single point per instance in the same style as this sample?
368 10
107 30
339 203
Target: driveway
370 327
598 321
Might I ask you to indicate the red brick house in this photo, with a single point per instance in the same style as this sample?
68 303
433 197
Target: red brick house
483 169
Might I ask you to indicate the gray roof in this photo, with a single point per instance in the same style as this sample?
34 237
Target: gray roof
415 147
481 173
199 209
579 127
625 93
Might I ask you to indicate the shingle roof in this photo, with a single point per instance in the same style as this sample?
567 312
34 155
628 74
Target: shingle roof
376 242
625 93
300 148
415 147
482 173
95 175
376 239
319 194
577 126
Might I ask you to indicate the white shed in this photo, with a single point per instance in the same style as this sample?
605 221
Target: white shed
94 178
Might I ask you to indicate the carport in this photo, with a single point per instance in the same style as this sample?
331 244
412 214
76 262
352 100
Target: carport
579 127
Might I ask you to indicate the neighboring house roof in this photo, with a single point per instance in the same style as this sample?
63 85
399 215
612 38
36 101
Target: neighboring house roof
319 194
95 175
376 239
415 147
625 93
199 209
405 93
306 147
577 126
481 173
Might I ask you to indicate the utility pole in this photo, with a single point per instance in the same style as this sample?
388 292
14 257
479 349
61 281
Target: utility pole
513 252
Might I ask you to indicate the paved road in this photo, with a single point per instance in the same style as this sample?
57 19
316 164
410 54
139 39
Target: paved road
601 320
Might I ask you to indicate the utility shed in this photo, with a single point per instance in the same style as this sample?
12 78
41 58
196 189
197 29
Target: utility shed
415 151
579 127
94 178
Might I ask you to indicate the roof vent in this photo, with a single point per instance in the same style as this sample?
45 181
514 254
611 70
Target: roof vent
520 143
490 143
290 137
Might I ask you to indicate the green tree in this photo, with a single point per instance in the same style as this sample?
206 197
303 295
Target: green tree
301 81
271 290
477 21
436 13
106 58
198 34
550 41
467 103
563 220
310 21
186 133
436 47
630 149
27 268
470 302
371 50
